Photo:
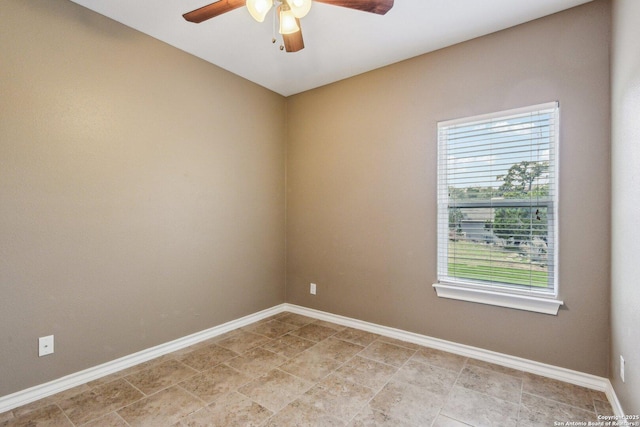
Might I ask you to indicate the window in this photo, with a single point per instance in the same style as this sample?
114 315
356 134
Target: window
497 208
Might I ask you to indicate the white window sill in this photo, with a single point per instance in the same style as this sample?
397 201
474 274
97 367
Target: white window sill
501 299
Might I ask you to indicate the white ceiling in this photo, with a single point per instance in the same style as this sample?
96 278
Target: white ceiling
339 42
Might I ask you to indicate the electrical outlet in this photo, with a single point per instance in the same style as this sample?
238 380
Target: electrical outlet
622 368
45 345
312 288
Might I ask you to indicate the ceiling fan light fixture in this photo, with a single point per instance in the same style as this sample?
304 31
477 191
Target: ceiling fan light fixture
259 8
289 13
300 8
288 21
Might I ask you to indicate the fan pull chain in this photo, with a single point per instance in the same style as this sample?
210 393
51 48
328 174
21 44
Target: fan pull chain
273 29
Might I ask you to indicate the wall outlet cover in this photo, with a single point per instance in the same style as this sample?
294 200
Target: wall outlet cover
45 345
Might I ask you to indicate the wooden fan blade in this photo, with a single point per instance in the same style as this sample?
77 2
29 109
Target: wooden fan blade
212 10
380 7
294 42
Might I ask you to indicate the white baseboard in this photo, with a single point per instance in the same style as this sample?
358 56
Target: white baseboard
574 377
32 394
613 400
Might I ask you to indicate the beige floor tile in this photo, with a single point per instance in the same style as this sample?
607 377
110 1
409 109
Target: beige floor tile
401 343
257 361
128 371
597 395
270 318
430 378
237 409
99 401
160 377
207 357
310 366
231 410
357 336
439 358
367 372
109 420
443 421
47 416
226 335
66 394
334 348
557 390
537 411
206 343
390 354
527 418
331 325
496 368
161 409
5 417
369 417
407 403
489 382
314 332
275 390
295 319
39 404
271 329
339 397
243 341
212 384
110 378
479 409
288 345
603 407
299 414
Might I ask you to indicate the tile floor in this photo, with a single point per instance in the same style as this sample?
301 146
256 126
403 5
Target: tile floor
291 370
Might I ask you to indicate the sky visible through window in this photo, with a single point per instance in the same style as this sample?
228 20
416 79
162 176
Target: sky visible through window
479 153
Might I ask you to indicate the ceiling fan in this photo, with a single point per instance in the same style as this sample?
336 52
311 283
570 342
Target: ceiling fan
289 14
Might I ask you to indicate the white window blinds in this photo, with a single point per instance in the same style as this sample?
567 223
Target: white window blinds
497 200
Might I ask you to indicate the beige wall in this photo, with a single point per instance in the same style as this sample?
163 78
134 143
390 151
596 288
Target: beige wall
625 269
137 204
361 187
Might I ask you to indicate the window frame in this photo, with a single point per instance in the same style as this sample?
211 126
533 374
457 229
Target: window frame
503 295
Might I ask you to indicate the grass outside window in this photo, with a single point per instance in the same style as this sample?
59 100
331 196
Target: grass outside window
493 264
